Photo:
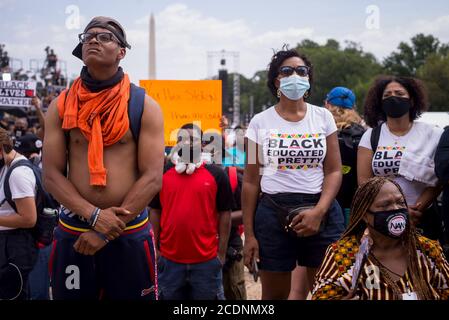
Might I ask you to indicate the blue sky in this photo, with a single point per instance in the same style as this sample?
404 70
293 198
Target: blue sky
186 30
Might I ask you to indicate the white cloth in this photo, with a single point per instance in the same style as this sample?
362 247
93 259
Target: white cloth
22 183
396 156
417 163
293 152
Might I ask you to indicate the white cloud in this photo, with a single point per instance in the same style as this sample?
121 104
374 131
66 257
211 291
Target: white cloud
6 3
383 41
185 35
27 49
439 26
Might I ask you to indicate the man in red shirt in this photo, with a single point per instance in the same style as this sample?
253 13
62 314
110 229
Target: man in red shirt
191 220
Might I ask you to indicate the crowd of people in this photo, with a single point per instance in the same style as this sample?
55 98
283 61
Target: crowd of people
4 58
50 75
51 72
318 201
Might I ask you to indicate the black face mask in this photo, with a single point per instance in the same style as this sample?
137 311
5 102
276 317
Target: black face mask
18 133
391 223
396 107
193 154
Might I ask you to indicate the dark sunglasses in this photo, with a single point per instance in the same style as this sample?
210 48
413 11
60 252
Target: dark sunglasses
302 71
103 37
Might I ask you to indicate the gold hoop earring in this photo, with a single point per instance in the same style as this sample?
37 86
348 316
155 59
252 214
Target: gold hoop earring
278 93
306 95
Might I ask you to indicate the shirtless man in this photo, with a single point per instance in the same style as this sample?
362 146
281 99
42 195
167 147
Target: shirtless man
103 244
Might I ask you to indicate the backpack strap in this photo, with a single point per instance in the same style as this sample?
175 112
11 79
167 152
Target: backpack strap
375 135
232 171
135 109
66 132
7 187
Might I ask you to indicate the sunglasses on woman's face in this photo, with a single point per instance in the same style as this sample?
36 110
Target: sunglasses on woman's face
302 71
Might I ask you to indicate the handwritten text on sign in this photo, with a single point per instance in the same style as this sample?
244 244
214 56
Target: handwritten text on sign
17 93
186 101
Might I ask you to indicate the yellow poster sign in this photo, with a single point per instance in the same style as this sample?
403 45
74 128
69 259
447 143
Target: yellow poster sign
186 101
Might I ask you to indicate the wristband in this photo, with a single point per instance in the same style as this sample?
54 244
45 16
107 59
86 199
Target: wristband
102 236
94 217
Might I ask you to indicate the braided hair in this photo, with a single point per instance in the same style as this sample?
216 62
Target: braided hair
363 199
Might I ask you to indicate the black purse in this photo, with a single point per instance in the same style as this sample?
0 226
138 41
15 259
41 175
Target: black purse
287 214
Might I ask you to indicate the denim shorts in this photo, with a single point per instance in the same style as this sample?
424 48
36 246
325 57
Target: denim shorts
40 277
281 252
195 281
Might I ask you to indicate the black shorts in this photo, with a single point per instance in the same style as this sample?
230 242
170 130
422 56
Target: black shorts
281 252
18 255
124 269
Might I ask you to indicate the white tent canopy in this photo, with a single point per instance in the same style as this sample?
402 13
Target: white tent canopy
440 119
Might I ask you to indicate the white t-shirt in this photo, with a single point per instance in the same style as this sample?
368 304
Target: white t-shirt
387 158
293 152
22 183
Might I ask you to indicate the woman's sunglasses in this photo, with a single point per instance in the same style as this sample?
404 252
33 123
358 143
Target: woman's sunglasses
302 71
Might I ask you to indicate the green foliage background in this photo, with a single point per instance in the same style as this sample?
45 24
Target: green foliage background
350 66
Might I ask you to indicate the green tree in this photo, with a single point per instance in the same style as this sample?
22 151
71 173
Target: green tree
335 66
410 57
256 87
435 74
350 66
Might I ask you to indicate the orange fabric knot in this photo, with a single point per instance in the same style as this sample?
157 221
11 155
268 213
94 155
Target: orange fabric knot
102 118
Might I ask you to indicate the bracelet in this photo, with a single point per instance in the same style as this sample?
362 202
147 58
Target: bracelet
94 217
102 236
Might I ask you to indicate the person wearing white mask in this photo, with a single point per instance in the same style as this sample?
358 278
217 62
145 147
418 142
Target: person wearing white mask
293 159
191 219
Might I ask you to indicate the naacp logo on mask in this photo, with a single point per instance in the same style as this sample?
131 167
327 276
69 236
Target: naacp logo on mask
397 224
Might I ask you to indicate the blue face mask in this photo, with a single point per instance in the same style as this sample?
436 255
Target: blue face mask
294 87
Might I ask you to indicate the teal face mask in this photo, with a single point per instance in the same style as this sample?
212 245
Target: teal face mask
294 87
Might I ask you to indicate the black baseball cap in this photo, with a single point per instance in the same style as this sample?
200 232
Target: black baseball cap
107 23
27 144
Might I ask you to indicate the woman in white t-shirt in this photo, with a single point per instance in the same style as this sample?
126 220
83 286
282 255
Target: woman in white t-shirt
404 148
298 165
18 251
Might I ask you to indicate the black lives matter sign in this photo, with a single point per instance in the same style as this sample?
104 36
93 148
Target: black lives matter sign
16 93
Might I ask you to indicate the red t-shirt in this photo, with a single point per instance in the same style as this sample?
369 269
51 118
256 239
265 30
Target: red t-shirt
189 207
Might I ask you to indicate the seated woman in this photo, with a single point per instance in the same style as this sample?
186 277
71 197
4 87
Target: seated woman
400 264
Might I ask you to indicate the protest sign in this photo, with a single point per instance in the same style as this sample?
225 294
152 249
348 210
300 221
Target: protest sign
17 93
186 101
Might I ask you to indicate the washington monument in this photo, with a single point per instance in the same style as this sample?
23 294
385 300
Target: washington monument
152 51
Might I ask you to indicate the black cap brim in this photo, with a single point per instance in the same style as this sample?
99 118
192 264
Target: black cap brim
78 51
109 24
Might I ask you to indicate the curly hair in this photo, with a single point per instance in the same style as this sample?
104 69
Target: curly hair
373 112
276 61
5 141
